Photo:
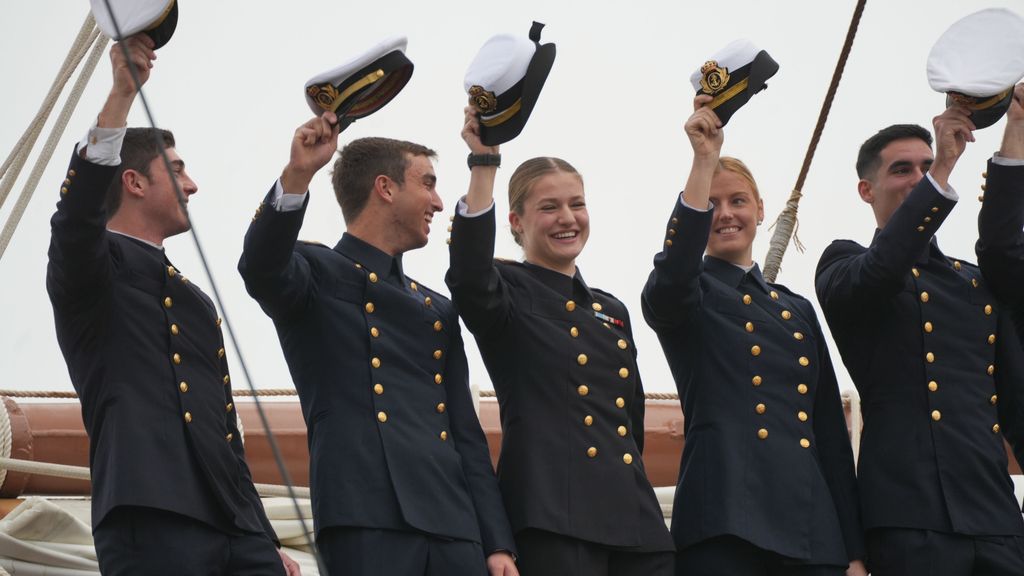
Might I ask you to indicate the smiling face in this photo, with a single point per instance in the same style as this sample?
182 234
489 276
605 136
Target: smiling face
902 164
159 202
737 212
415 202
553 224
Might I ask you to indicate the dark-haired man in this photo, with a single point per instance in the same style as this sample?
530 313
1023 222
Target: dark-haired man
172 493
400 472
937 364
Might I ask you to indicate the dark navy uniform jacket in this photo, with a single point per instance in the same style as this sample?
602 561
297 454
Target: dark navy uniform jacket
381 373
561 357
145 353
937 365
1000 237
767 456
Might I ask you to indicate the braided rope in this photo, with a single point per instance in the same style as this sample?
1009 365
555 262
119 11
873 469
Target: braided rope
787 220
6 438
99 42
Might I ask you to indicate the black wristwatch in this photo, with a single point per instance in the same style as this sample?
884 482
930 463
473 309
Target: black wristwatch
483 160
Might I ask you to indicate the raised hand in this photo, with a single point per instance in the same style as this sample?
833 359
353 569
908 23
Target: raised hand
122 94
704 129
471 133
313 145
953 130
1013 136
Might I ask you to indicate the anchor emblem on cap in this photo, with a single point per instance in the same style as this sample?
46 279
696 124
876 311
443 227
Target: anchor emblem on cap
323 95
484 100
715 78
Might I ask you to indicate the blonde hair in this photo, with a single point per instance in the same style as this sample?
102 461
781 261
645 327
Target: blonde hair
737 167
527 175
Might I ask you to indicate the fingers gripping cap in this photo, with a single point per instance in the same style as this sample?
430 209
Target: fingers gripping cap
125 18
733 75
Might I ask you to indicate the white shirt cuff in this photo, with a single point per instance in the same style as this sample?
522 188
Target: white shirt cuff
683 202
1004 161
286 202
463 209
949 193
103 145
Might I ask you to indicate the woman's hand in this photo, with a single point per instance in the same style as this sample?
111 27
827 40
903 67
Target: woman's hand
704 129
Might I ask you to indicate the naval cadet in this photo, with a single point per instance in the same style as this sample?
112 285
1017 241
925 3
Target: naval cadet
767 483
171 491
400 472
560 354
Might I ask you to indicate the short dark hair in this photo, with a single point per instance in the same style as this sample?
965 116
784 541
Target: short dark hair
870 155
140 147
361 161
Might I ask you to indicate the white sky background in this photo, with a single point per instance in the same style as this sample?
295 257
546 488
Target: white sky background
229 84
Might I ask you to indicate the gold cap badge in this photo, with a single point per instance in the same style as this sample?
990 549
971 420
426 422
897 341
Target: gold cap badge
715 78
323 95
484 100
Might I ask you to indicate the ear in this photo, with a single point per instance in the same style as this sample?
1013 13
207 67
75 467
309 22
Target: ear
384 189
134 183
866 191
760 210
515 222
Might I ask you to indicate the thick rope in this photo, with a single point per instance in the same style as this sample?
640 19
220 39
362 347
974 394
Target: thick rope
11 168
786 224
99 45
6 438
82 473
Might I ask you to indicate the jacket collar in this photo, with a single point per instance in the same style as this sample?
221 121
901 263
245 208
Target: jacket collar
567 286
732 274
370 257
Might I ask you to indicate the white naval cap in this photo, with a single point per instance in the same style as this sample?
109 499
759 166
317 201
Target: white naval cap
732 75
157 18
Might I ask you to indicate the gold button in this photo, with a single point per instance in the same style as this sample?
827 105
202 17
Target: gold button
71 173
183 386
220 353
64 190
581 359
668 242
936 415
762 433
229 406
928 219
623 372
915 272
988 310
229 437
627 458
984 174
374 332
438 326
920 228
671 231
176 358
991 338
621 430
760 408
375 362
583 390
413 286
991 369
983 187
574 332
755 350
378 389
804 361
373 277
956 265
427 301
67 181
674 220
994 399
570 305
935 209
171 271
805 443
774 295
928 327
596 306
974 282
440 408
933 386
802 416
623 344
591 451
219 320
620 402
924 296
382 417
747 299
749 327
995 428
438 354
981 197
449 228
188 417
801 388
786 314
756 380
929 357
227 379
168 302
438 379
588 421
174 329
369 308
798 335
444 436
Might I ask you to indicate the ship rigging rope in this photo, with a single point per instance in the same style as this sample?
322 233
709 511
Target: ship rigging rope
786 225
15 162
6 438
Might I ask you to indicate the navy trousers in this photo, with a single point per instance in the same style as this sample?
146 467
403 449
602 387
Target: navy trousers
543 553
910 552
732 556
373 552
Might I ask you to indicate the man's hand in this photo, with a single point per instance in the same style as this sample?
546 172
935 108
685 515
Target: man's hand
1013 136
501 563
953 130
471 133
704 129
140 57
291 567
313 145
857 568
